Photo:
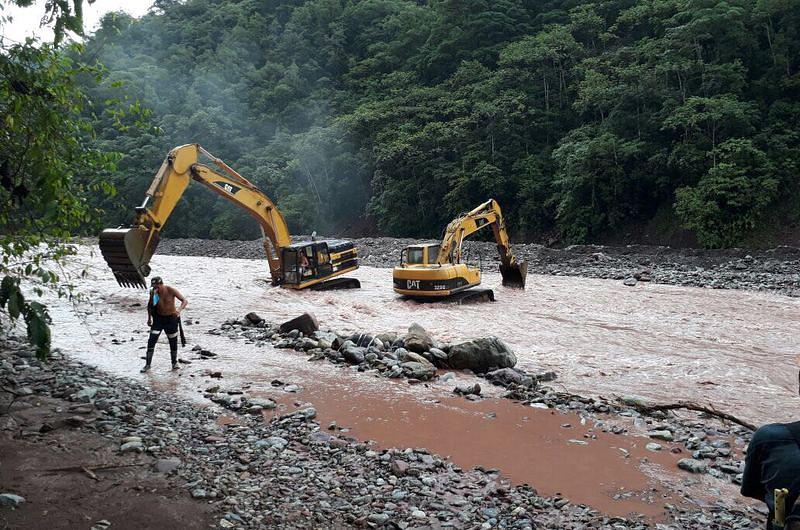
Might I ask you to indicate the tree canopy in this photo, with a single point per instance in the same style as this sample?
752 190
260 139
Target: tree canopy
582 118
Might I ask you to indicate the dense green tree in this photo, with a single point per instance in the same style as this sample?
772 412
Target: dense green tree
50 169
580 118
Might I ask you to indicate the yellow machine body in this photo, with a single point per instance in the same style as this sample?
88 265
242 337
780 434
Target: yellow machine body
435 271
294 265
420 276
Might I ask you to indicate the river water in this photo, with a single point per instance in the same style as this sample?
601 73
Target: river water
734 349
738 350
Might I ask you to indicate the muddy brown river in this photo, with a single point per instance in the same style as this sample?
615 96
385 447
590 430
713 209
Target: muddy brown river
734 349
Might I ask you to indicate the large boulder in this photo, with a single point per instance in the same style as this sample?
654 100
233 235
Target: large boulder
253 319
417 339
354 354
305 324
481 355
505 377
415 370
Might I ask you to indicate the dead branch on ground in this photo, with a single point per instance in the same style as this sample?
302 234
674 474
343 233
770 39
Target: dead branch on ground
688 405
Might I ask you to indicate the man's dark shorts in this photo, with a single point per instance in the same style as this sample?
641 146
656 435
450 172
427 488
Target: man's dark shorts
169 324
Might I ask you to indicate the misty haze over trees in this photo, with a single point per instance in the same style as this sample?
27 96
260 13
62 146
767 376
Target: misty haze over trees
583 118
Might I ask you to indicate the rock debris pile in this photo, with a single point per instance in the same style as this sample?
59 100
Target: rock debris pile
288 473
709 445
414 356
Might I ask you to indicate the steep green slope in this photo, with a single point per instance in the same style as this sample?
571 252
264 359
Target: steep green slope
581 118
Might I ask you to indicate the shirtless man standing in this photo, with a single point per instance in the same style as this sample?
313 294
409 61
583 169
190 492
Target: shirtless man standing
162 315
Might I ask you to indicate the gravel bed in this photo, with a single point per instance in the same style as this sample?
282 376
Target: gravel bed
289 473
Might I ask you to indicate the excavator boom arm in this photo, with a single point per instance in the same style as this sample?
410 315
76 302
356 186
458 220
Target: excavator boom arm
128 251
487 214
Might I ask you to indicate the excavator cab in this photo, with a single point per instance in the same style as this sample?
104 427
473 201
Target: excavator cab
435 271
305 263
425 254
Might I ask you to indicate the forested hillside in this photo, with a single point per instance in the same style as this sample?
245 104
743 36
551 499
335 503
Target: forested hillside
581 117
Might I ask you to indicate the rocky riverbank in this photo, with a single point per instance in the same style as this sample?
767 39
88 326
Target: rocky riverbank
761 270
709 445
281 469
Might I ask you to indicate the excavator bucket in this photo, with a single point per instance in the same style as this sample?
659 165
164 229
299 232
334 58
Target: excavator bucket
128 251
514 274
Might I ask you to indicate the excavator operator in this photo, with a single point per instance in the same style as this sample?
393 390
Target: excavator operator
162 316
305 266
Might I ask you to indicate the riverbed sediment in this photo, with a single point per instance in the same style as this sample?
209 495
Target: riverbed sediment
286 471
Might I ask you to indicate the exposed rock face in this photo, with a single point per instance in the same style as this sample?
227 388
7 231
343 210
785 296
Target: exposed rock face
417 339
481 355
305 324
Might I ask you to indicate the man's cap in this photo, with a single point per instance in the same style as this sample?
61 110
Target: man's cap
155 280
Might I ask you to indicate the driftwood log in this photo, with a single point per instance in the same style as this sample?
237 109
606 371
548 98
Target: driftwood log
688 405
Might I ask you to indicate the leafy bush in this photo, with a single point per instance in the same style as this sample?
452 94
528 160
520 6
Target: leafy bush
732 197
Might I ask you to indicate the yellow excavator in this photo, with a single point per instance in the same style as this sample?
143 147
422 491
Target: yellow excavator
313 264
434 271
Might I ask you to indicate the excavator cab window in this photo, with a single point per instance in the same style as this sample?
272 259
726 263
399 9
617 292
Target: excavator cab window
433 253
415 255
307 262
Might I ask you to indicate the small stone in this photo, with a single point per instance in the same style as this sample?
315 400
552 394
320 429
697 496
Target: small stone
661 435
419 514
378 518
630 281
652 446
264 403
399 468
635 401
131 446
465 390
10 499
692 465
167 465
86 394
447 377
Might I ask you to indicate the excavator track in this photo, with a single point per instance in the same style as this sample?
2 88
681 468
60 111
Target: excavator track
471 296
336 284
468 296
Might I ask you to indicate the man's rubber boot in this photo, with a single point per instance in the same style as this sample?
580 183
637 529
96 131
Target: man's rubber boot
145 369
175 366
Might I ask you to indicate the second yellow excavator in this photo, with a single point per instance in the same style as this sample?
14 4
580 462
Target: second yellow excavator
313 264
434 271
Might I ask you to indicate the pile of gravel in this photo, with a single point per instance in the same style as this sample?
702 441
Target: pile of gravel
288 473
